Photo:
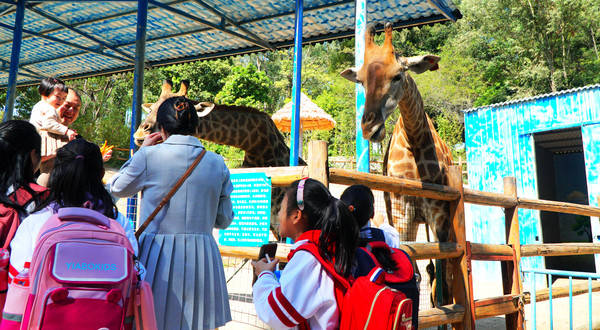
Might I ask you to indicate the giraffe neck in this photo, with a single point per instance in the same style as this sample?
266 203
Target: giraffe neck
413 113
248 129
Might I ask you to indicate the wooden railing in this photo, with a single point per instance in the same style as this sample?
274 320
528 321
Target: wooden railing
462 313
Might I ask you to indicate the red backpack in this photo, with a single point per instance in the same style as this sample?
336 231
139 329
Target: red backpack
368 302
9 221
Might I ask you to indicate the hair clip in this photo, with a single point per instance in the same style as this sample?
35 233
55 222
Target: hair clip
351 208
300 194
180 106
80 157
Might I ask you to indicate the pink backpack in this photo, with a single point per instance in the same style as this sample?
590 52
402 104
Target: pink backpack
82 276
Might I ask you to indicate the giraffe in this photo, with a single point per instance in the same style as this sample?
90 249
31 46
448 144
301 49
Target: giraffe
243 127
415 150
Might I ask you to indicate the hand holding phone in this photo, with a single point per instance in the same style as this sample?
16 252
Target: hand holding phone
267 251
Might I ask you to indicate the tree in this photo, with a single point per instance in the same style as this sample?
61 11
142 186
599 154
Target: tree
246 86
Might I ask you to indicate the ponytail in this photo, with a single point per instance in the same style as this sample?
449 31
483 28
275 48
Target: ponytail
339 231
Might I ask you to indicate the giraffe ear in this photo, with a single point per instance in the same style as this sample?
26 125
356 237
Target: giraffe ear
420 64
350 74
204 108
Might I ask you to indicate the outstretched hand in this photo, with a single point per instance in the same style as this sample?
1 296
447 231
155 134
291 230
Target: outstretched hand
262 265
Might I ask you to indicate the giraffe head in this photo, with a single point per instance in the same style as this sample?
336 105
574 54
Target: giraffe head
384 77
149 125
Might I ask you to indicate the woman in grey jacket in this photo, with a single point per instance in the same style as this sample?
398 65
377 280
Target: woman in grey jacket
181 257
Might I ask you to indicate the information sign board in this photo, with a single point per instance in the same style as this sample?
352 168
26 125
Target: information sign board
251 199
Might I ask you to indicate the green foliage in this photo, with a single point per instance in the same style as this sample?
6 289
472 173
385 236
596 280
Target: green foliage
246 86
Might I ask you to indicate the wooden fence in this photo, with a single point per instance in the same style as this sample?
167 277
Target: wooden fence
463 311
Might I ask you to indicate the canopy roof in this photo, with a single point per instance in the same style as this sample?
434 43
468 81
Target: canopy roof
74 39
311 117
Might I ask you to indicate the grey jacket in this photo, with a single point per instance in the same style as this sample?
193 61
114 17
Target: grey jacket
200 204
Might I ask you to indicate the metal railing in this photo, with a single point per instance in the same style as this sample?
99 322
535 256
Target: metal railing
562 273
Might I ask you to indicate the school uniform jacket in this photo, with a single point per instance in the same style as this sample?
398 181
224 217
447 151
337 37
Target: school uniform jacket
306 292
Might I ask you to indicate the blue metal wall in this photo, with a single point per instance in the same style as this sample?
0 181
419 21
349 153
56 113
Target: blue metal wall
499 142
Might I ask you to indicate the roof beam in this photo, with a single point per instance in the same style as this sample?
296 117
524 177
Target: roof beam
233 23
32 73
57 40
210 24
78 31
36 77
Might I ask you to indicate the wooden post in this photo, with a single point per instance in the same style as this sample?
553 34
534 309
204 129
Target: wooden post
511 275
460 279
317 161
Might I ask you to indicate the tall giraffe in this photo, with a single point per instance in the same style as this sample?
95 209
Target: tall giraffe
243 127
415 151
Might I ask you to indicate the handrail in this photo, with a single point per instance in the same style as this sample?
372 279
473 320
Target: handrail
441 192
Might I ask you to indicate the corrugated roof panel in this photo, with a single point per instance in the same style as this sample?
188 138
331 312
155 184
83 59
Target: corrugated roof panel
175 38
535 97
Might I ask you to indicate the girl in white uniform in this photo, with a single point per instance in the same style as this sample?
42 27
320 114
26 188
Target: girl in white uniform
76 181
306 295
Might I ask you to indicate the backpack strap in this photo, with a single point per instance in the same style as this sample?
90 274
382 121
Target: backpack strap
8 214
340 284
313 249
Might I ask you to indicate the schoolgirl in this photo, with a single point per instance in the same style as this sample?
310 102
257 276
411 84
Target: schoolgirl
306 293
361 202
76 181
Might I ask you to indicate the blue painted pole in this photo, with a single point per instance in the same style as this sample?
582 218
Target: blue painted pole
571 302
550 300
590 302
362 145
138 91
296 87
11 91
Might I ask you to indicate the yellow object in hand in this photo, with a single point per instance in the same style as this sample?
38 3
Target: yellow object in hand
105 148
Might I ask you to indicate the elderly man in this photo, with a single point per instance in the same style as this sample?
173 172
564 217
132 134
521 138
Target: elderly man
69 110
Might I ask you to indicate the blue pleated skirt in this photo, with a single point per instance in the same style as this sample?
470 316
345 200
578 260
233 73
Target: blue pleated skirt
188 280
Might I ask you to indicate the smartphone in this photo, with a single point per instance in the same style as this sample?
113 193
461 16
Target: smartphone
266 249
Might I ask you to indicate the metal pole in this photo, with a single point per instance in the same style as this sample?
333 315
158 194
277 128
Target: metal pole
362 145
11 91
138 90
296 86
138 73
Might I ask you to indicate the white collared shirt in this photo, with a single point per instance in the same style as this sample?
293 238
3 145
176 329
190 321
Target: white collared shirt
306 292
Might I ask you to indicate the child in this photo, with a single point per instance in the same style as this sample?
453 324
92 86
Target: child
307 293
76 181
45 118
360 201
20 150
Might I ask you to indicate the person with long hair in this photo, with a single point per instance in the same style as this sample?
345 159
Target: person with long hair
309 214
361 204
181 256
20 148
75 181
